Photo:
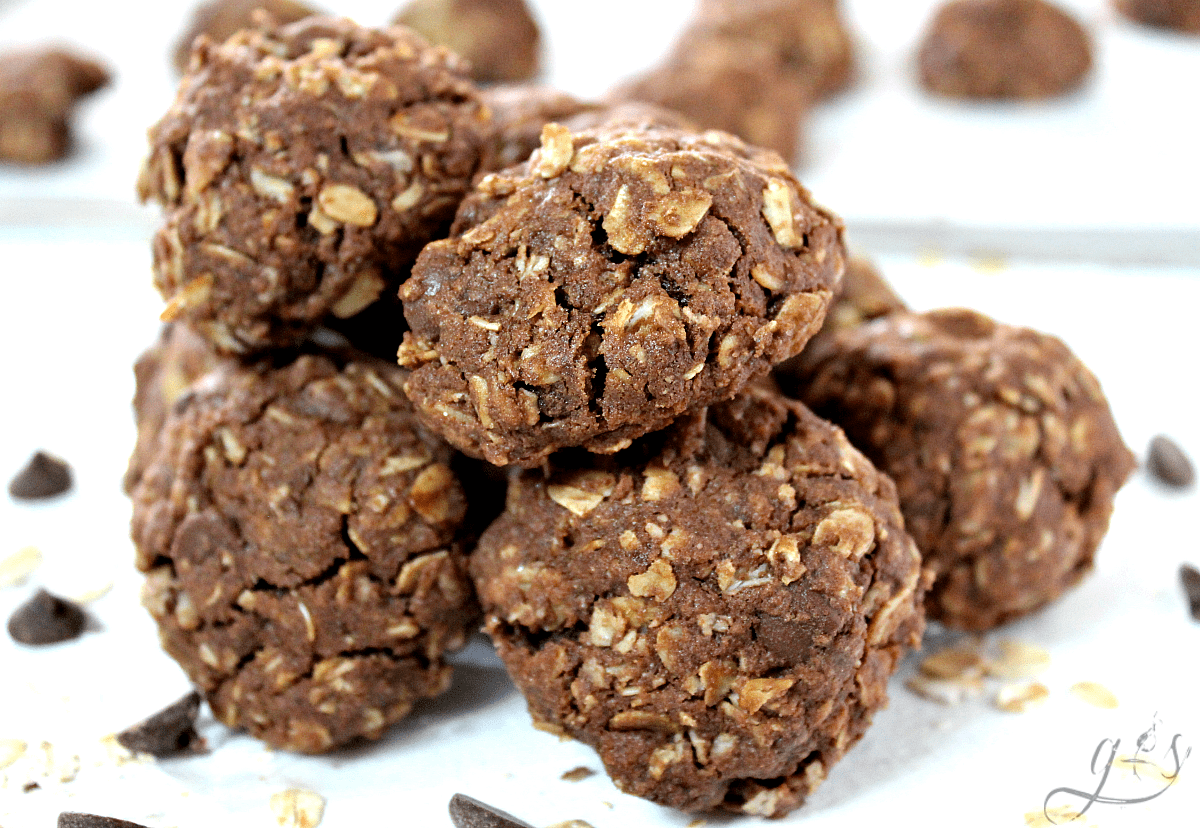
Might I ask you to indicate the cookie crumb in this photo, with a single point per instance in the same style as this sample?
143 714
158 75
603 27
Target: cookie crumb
296 808
576 774
1019 698
19 565
468 812
1169 463
168 732
42 477
1097 695
46 619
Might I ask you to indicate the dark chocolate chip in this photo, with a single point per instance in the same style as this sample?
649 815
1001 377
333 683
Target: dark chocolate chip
68 819
1191 586
43 476
788 641
1169 463
170 731
466 812
46 619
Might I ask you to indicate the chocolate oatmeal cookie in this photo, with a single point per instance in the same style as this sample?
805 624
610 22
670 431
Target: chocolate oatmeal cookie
1180 15
717 610
1003 49
740 86
301 539
810 35
619 278
38 91
1001 444
302 169
218 20
162 375
499 38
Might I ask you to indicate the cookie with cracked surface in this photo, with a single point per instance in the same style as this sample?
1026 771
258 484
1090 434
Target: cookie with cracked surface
619 278
162 375
38 91
737 85
717 610
810 35
1003 49
302 169
1180 15
301 539
499 38
218 20
1001 444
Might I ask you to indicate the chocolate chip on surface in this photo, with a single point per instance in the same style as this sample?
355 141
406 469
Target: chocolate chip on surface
468 812
1190 576
1169 463
46 619
69 819
170 731
43 476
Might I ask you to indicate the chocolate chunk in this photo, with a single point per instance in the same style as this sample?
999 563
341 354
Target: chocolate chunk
467 812
1190 576
170 731
1169 464
74 820
43 476
46 619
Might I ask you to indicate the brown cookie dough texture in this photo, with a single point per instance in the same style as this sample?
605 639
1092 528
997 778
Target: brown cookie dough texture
300 537
499 38
1003 49
716 611
739 86
162 375
302 169
220 19
38 91
1181 15
619 278
1001 444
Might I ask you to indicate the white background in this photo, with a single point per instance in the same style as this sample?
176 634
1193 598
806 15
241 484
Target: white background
1118 161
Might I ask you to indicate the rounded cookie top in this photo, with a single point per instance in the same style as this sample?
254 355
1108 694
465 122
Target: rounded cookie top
1001 444
499 38
716 611
302 169
619 278
220 19
1003 49
300 535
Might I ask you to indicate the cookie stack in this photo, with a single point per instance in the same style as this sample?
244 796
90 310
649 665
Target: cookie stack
692 573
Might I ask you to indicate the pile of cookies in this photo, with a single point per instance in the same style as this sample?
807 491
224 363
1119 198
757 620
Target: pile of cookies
376 332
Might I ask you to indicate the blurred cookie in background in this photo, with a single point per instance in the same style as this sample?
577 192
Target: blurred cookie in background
499 38
219 19
1180 15
1003 49
38 91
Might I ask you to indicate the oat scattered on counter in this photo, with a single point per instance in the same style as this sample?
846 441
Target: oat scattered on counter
296 808
19 565
1018 660
1062 815
1019 698
1097 695
10 751
954 663
945 691
92 593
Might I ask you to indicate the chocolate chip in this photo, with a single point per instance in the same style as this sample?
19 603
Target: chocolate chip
170 731
46 619
69 819
1190 576
787 640
466 812
43 476
1169 464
